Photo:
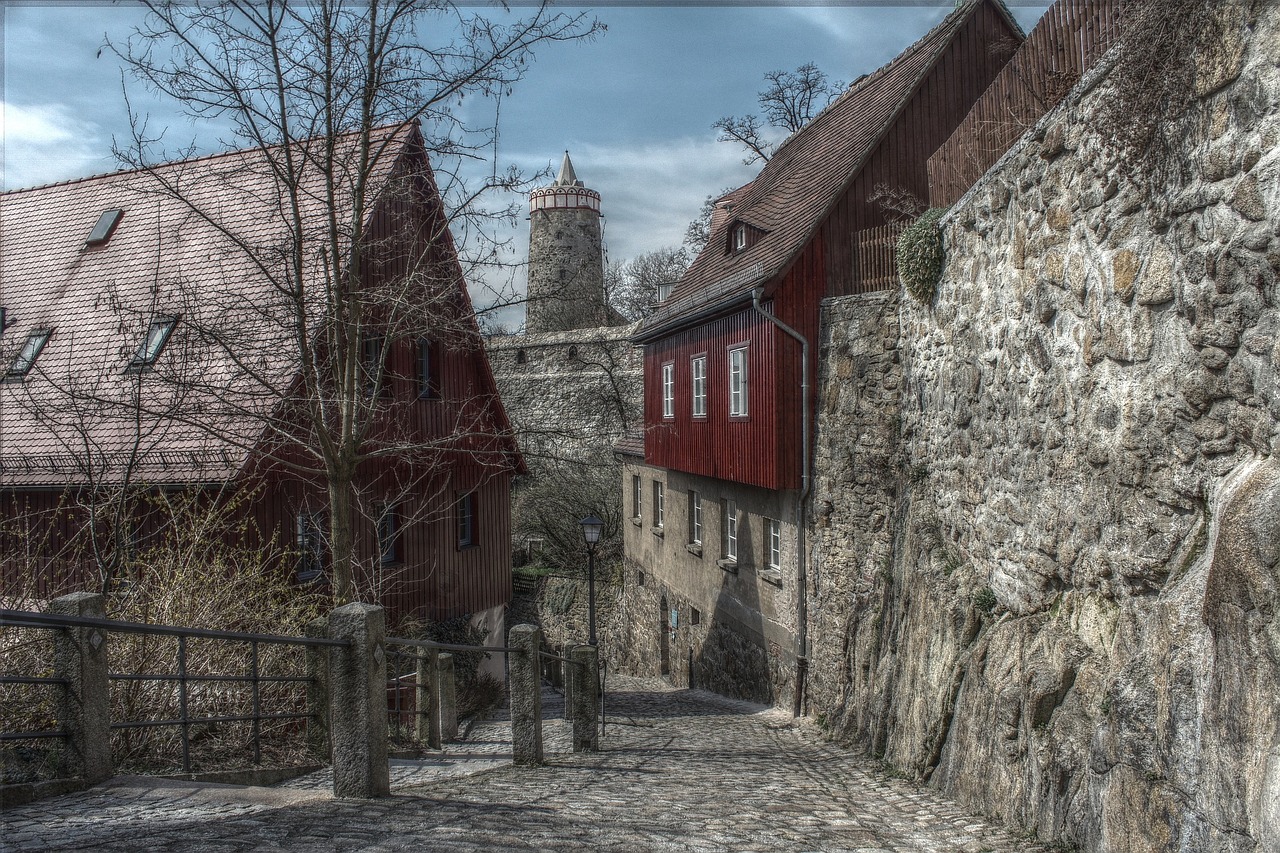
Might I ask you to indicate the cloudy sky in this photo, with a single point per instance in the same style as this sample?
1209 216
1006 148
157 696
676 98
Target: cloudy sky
634 107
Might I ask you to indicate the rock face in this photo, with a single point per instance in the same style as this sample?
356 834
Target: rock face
1047 517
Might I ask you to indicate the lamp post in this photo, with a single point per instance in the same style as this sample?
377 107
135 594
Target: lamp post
591 529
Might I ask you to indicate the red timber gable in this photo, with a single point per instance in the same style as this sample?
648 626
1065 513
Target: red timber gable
437 422
803 218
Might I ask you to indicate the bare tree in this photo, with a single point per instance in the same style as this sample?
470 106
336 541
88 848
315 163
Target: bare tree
789 101
358 254
635 287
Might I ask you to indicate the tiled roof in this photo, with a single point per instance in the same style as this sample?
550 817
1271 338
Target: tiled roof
631 444
165 258
796 188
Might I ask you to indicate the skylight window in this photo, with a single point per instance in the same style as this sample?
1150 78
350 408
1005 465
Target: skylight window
26 357
106 226
153 344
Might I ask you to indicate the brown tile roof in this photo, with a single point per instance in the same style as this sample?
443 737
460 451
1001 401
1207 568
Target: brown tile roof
65 421
797 187
631 444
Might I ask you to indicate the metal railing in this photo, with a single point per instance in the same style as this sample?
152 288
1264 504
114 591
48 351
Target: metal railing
184 679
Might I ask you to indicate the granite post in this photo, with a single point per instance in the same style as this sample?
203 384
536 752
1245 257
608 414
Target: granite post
526 695
80 657
358 689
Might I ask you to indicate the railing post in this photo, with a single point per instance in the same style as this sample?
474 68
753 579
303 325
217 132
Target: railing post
526 694
584 674
567 681
318 692
447 684
427 699
80 657
358 691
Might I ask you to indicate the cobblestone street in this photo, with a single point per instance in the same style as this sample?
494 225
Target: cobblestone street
678 771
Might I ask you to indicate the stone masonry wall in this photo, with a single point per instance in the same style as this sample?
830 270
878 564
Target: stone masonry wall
1049 586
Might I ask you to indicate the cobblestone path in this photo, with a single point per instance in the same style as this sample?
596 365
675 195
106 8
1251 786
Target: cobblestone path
679 771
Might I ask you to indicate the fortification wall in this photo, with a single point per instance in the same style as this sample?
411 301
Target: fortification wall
1047 518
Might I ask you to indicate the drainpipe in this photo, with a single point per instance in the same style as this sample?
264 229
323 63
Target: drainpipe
806 486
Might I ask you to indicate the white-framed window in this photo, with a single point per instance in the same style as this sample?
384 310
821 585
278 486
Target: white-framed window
738 382
637 497
310 545
152 344
26 357
773 534
695 518
739 237
466 512
698 370
669 390
659 501
731 530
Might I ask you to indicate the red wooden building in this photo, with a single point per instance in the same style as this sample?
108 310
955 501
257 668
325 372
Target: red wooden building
148 344
726 446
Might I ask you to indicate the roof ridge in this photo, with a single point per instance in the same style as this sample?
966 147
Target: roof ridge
204 158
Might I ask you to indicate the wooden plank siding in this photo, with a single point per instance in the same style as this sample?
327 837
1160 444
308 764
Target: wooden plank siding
1070 37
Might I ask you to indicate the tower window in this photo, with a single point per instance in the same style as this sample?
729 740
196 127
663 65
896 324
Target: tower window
26 357
152 345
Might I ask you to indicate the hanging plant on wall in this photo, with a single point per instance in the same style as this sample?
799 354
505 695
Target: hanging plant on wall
921 255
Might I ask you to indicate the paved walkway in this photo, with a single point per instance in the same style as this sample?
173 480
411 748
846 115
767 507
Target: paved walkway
679 771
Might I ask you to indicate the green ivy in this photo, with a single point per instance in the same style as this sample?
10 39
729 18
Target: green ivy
921 255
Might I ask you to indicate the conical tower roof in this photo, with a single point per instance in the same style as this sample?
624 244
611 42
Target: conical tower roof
567 177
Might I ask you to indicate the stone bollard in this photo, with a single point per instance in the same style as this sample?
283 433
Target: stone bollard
566 679
584 673
526 694
80 656
318 692
427 699
358 690
447 684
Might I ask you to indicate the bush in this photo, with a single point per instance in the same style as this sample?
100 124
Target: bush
921 255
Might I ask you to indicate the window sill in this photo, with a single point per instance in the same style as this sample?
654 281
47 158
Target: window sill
308 577
637 521
658 531
772 576
730 566
694 548
470 546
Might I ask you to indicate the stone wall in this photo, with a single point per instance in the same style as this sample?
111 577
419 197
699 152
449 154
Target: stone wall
1047 584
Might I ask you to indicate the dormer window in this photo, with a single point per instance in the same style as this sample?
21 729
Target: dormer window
739 237
26 357
152 345
105 227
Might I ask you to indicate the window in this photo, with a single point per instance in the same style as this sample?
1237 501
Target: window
731 530
773 533
637 497
639 578
695 616
659 499
669 390
428 380
310 545
105 227
663 291
695 518
26 357
738 382
153 344
388 531
372 349
739 237
521 356
467 520
699 370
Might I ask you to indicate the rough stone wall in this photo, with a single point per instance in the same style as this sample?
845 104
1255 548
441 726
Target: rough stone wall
569 393
1061 610
566 271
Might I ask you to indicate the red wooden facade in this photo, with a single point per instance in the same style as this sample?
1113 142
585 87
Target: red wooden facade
436 399
764 449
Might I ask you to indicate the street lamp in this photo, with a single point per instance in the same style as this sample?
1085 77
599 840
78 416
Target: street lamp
592 527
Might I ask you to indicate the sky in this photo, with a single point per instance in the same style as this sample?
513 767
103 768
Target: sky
634 107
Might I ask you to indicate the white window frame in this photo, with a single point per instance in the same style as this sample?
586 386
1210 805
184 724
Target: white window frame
466 518
637 497
698 376
738 381
739 237
773 534
659 503
695 518
669 390
731 530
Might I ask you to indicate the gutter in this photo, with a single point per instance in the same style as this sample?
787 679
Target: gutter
806 487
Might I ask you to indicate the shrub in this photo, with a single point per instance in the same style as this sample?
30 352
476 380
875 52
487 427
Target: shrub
921 255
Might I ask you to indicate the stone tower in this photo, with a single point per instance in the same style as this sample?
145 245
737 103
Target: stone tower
566 257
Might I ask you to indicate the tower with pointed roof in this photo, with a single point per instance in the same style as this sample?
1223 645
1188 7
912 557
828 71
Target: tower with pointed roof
566 256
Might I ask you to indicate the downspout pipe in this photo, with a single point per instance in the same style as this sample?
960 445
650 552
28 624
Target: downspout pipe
806 487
